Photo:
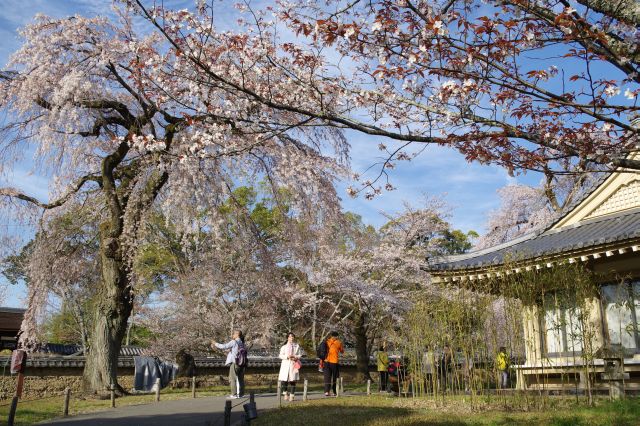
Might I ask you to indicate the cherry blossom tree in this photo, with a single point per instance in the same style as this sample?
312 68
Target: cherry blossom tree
525 208
248 279
534 85
117 120
525 85
375 274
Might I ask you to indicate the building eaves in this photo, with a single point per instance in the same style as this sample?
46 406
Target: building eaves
583 235
7 310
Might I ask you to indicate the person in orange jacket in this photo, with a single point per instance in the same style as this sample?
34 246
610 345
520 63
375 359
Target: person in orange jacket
331 363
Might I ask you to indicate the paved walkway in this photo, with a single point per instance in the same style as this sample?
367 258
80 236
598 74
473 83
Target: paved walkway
204 411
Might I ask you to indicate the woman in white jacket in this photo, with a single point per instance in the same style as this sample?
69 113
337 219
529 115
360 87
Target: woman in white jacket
290 355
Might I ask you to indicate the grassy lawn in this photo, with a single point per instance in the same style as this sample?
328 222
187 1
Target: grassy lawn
387 411
34 411
361 410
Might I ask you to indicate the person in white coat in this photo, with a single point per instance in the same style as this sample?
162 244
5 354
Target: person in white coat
290 355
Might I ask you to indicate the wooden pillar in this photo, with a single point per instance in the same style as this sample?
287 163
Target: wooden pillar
158 389
305 389
112 391
279 390
65 405
193 387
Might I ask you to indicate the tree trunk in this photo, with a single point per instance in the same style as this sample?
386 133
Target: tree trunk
113 307
362 354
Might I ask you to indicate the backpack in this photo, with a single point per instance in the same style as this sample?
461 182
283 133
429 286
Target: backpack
241 356
322 351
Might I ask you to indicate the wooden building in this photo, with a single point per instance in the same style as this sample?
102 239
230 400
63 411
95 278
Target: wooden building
600 231
10 320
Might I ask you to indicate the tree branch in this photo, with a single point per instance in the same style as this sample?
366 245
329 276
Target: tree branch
14 193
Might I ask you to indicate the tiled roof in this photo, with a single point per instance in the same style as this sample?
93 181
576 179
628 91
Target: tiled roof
586 234
60 349
58 361
58 355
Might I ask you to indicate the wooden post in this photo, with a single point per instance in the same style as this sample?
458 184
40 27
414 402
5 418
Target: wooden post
65 406
193 386
304 392
338 387
368 386
279 395
341 385
158 389
112 389
12 410
227 413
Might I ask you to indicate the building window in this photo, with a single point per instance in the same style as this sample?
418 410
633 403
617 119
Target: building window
621 307
562 326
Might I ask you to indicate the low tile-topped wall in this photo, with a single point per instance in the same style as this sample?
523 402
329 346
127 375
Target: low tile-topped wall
51 381
47 378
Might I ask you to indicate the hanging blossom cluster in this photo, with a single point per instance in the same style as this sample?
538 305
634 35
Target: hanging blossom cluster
146 143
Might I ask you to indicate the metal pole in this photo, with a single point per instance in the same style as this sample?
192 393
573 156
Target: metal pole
193 386
227 413
112 388
158 389
252 398
12 410
65 407
304 392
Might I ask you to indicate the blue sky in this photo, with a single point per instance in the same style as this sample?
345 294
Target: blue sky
469 189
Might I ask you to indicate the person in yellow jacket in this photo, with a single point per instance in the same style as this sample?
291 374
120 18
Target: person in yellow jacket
502 364
382 359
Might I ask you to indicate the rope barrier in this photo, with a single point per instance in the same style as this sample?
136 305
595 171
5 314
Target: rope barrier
32 400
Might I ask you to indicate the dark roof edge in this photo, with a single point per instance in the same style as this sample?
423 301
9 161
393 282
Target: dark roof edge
480 252
533 234
530 236
6 309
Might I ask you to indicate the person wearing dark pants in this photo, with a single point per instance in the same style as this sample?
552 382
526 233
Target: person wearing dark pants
331 374
331 364
289 374
382 359
236 379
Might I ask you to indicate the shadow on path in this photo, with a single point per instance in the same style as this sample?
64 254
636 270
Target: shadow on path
205 411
